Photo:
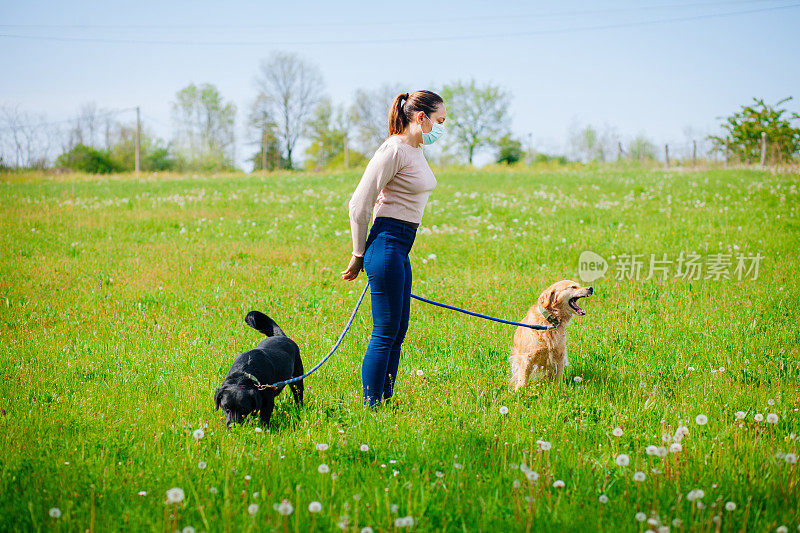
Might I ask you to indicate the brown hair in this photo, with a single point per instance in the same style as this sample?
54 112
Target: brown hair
401 114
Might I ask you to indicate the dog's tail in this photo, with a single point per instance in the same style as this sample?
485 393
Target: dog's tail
261 322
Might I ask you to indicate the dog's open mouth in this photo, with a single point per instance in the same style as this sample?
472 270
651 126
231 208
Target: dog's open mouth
573 303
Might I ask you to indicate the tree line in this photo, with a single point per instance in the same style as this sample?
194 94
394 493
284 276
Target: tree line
290 109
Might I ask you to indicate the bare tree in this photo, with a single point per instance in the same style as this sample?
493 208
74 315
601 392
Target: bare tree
369 116
293 87
25 138
477 116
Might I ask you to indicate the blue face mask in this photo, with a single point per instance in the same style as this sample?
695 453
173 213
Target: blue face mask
432 136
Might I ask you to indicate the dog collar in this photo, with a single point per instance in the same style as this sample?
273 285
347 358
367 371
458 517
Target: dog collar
547 316
259 386
251 376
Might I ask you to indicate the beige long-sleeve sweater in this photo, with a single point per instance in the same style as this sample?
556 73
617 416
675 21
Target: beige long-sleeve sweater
396 183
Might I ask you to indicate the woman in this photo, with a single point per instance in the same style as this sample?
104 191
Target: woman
394 189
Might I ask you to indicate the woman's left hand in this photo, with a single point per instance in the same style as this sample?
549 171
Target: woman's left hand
351 272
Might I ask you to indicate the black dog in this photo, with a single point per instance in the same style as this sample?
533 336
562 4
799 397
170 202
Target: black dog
276 358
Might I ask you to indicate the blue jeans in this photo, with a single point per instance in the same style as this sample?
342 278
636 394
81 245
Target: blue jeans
389 273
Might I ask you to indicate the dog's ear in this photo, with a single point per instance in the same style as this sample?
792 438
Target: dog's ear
217 398
548 298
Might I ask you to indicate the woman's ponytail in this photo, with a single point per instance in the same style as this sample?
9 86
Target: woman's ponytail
397 118
405 106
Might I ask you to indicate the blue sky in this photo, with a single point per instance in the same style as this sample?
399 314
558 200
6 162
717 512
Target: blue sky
601 63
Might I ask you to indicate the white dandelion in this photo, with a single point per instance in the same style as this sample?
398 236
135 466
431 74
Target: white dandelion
252 509
364 448
695 495
651 450
202 465
740 415
771 401
55 512
641 517
405 521
198 434
730 506
790 458
758 417
187 529
321 447
639 476
175 495
603 499
617 432
623 459
558 484
457 466
142 493
661 451
545 445
366 529
420 372
258 429
439 474
675 447
701 420
323 468
577 379
772 418
285 508
503 410
531 475
516 484
690 369
314 507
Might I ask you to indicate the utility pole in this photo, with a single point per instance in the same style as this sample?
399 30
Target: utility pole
666 156
137 165
264 150
619 150
763 148
694 153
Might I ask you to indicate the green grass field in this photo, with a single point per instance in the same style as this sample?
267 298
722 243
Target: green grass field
122 305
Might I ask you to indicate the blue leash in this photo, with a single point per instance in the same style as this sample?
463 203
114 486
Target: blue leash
353 316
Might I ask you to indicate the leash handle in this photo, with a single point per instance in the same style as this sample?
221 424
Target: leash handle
487 317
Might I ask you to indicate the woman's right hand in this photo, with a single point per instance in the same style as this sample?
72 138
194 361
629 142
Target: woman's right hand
351 272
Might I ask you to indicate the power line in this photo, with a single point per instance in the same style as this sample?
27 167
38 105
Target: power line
404 39
157 121
327 24
79 117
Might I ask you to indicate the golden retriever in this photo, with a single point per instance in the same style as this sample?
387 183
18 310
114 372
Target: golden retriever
546 351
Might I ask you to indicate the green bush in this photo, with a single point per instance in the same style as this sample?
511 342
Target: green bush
87 159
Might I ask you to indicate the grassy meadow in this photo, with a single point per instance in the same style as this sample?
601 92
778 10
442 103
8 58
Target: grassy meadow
121 309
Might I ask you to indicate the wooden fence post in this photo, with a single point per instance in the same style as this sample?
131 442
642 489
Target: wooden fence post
763 148
694 154
666 156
